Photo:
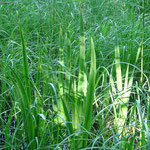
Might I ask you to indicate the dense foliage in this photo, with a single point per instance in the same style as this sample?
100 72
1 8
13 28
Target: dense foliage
75 74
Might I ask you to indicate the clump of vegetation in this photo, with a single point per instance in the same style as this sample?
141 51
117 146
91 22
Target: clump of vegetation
74 74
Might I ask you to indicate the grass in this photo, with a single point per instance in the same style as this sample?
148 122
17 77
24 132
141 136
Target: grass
74 74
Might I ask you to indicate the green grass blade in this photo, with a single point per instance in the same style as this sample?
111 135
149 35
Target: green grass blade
126 78
39 68
25 65
82 81
143 36
61 77
118 68
8 127
69 125
25 110
82 73
90 94
68 119
141 122
68 63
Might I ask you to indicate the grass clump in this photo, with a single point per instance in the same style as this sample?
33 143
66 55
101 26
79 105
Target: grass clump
74 75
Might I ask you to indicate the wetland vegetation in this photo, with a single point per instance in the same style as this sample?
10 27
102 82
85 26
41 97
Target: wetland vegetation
74 74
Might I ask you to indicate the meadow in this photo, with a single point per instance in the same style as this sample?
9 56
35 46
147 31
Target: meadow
74 74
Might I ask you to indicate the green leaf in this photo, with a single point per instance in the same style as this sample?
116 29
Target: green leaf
90 94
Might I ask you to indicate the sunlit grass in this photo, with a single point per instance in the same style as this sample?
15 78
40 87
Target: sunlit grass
74 74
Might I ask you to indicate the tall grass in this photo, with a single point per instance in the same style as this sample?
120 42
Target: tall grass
24 91
90 94
65 83
123 91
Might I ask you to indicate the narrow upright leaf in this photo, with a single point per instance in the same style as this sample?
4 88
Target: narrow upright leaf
118 68
90 94
25 65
